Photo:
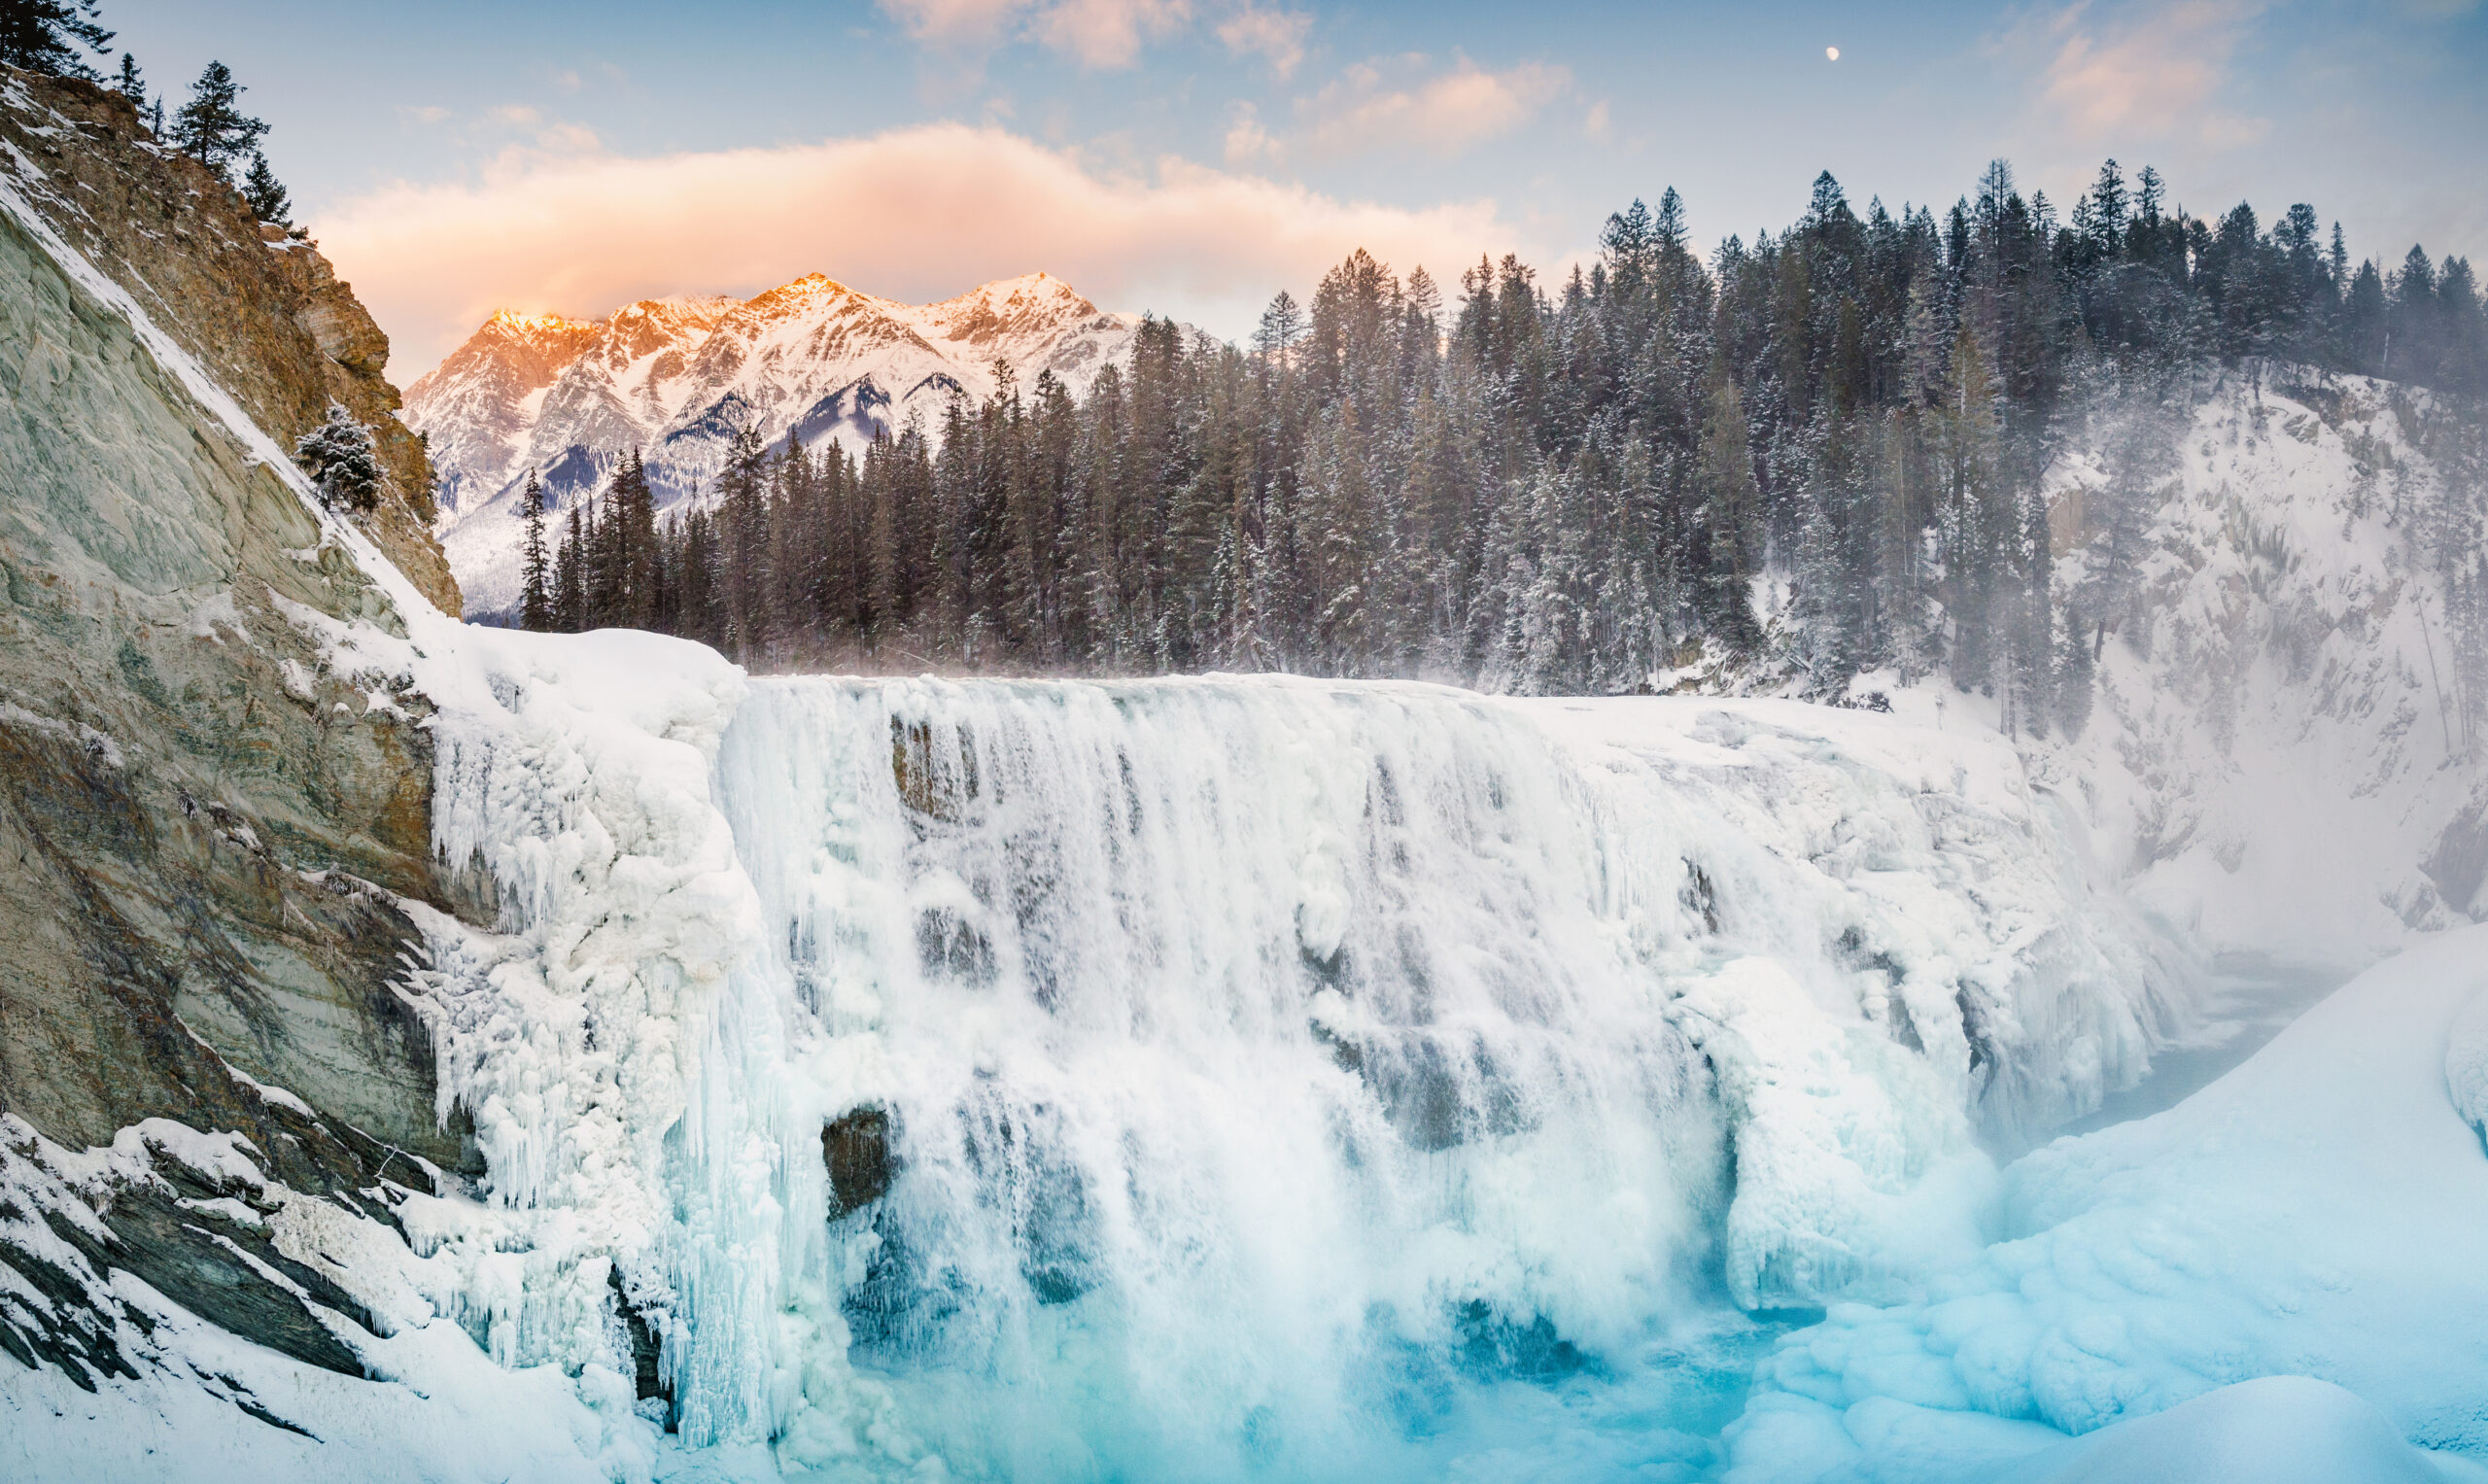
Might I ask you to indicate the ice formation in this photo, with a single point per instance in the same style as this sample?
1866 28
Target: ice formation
2314 1213
1237 1071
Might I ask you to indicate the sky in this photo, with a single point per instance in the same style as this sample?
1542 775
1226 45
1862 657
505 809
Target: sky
1193 156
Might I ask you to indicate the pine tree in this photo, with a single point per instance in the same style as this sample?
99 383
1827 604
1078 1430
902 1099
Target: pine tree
129 85
536 598
570 577
1730 501
742 513
46 36
210 128
342 461
640 556
267 197
1282 325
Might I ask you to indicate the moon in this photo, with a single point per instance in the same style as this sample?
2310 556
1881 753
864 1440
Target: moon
1832 52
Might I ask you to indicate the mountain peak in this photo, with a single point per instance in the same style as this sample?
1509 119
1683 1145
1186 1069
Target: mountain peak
813 356
519 320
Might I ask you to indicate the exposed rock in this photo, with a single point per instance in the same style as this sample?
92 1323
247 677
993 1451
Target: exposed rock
268 317
207 831
855 1146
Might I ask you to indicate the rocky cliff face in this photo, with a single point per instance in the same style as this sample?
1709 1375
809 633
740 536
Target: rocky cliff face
266 314
205 839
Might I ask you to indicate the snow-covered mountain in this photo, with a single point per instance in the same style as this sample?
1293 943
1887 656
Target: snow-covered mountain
676 377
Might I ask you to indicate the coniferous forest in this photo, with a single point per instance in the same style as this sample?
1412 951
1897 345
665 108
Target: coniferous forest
1564 487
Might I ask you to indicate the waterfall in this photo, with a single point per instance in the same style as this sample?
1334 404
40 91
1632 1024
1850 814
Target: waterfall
1224 1078
1217 1078
1189 1071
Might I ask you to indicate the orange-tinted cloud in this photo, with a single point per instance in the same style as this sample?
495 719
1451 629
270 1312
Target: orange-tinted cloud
914 213
2154 74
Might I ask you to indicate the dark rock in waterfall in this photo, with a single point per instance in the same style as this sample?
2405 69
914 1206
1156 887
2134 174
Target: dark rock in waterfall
855 1146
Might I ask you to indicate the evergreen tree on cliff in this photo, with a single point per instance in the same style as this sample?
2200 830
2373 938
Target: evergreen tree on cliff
536 603
210 128
128 83
339 456
46 36
269 201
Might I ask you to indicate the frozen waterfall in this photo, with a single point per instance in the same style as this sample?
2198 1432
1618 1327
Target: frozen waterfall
1239 1078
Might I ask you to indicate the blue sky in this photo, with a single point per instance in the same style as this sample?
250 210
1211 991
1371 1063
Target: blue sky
1192 155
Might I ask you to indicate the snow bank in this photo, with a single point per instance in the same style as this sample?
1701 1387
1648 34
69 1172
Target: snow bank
2315 1213
2282 1429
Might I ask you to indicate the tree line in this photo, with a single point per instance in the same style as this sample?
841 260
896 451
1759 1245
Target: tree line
54 37
1826 445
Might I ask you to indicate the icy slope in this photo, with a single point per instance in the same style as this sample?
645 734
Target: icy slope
676 377
2315 1213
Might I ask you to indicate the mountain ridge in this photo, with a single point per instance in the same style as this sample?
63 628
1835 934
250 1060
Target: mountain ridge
675 376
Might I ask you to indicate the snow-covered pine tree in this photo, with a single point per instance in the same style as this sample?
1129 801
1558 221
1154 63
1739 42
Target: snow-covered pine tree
535 596
1730 504
210 128
46 36
569 578
342 461
642 563
743 510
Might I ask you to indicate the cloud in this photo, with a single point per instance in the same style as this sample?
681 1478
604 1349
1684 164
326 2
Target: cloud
1445 115
1248 144
2153 75
955 22
1107 33
915 214
1277 36
1599 125
1104 34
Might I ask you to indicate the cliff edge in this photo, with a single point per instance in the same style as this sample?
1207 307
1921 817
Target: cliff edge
264 313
